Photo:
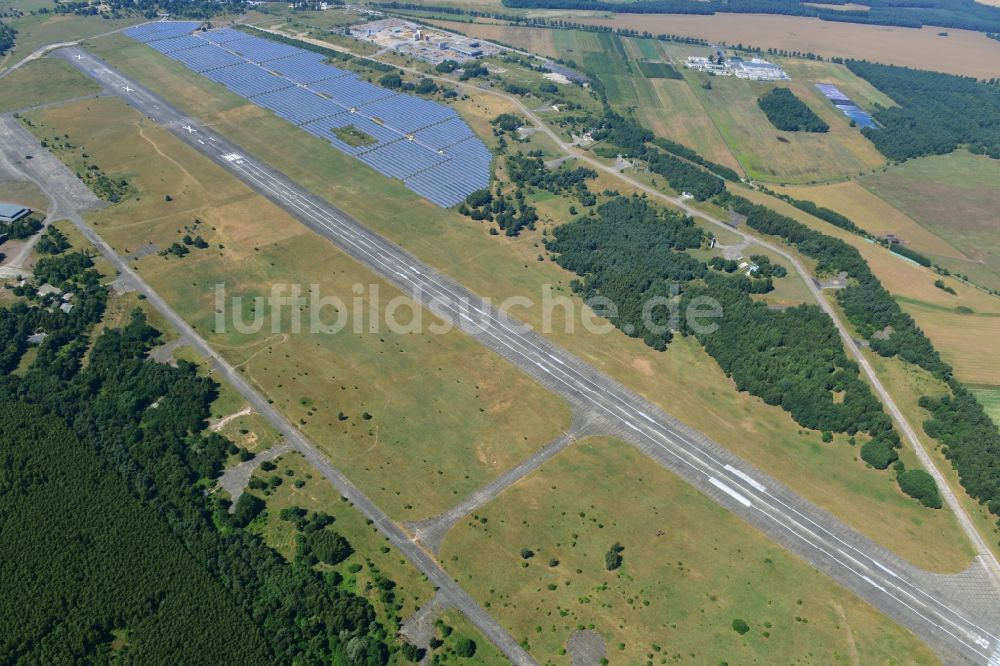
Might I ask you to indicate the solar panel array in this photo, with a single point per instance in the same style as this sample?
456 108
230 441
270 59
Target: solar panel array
424 144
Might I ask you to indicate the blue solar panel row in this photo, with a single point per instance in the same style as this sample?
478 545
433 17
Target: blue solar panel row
248 80
298 105
441 135
151 32
422 143
351 91
324 130
401 159
224 35
305 67
406 113
178 43
205 57
257 49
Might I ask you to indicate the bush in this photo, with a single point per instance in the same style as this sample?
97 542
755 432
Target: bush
330 547
740 626
613 558
248 507
878 454
920 485
527 553
465 647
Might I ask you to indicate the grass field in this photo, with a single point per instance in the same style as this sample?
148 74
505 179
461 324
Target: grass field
908 383
769 154
685 381
42 82
989 396
677 592
371 548
960 339
955 197
35 31
23 192
961 52
446 414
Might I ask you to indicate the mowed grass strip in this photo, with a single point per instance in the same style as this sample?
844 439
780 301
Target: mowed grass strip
418 421
684 381
43 82
536 557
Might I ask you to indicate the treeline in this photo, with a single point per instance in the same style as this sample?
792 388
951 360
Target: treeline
632 139
822 212
789 113
964 14
971 441
102 502
913 255
7 35
692 156
332 54
632 254
937 112
873 311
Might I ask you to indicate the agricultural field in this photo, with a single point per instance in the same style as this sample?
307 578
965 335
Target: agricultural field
416 420
685 380
989 396
942 315
769 154
961 52
43 82
676 593
956 198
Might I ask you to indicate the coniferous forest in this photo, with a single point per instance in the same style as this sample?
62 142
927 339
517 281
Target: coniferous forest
789 113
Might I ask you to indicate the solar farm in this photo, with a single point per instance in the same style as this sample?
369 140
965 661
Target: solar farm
424 144
860 117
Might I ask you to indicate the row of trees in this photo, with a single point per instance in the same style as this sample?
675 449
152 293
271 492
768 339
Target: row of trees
102 505
789 113
966 14
937 112
7 35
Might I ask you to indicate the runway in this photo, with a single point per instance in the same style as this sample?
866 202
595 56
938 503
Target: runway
959 616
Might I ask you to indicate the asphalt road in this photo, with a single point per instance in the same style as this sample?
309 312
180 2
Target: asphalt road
958 616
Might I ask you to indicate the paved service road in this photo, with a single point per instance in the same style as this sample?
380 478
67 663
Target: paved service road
958 616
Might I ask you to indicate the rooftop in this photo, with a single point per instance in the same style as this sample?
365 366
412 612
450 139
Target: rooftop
9 211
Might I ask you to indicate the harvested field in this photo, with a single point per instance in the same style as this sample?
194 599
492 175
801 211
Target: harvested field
961 52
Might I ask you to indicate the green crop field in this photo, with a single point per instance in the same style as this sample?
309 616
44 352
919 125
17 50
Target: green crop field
685 381
678 589
955 197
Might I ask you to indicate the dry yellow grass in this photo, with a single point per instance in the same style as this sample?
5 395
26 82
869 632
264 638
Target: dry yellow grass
966 341
961 52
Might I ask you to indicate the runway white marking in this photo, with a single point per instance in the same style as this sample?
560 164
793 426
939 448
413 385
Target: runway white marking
729 491
746 477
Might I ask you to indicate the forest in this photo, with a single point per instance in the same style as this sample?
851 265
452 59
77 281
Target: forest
632 253
789 113
937 112
105 456
965 14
